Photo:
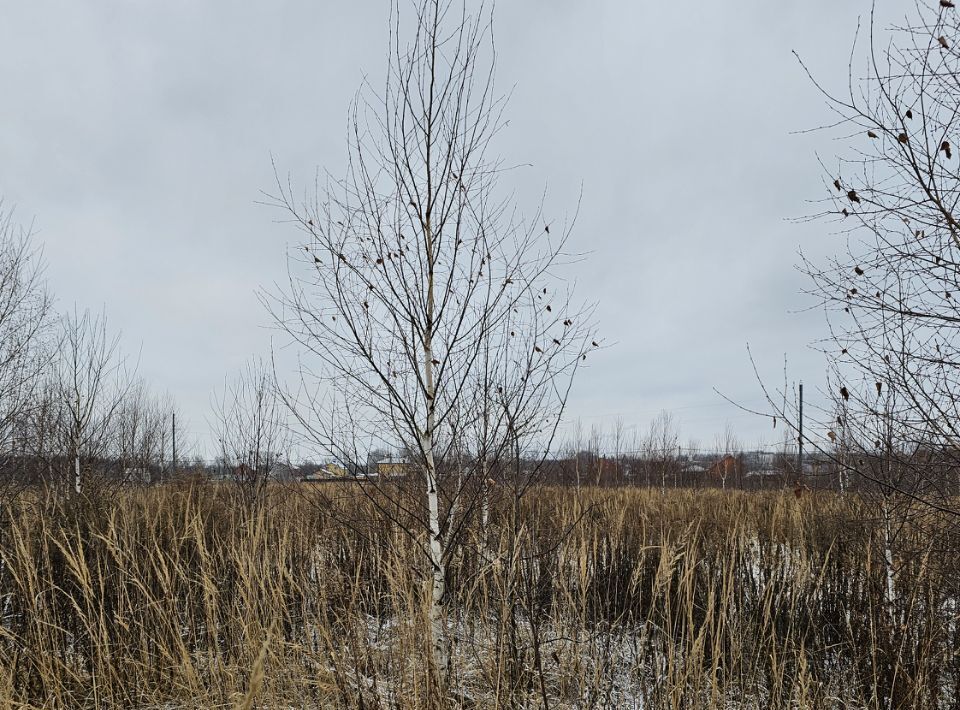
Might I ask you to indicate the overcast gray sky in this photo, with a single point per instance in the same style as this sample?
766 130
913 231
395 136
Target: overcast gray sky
138 135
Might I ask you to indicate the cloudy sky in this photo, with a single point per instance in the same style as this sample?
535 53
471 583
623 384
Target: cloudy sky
137 135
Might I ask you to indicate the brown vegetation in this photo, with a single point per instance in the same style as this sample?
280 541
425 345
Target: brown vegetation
180 596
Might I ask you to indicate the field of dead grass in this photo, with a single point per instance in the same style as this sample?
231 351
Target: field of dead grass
179 597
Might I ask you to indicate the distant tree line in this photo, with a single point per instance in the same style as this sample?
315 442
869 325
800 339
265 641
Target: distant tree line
73 412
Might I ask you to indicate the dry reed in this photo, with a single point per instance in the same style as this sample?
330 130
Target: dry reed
180 596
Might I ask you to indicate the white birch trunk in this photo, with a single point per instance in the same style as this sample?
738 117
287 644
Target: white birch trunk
76 466
891 589
435 555
435 541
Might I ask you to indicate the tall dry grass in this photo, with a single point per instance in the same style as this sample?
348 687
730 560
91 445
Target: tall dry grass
614 598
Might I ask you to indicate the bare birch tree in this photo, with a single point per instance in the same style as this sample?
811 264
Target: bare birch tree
891 291
24 346
431 315
89 384
659 449
142 427
250 429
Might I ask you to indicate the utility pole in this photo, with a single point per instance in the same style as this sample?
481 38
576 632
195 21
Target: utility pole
173 428
800 438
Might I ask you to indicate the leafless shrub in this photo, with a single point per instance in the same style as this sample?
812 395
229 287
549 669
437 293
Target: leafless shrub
251 430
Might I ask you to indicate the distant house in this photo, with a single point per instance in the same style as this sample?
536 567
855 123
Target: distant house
334 470
327 472
393 468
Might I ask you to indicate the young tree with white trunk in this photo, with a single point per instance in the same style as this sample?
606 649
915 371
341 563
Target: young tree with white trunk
891 293
89 384
25 325
891 289
431 315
